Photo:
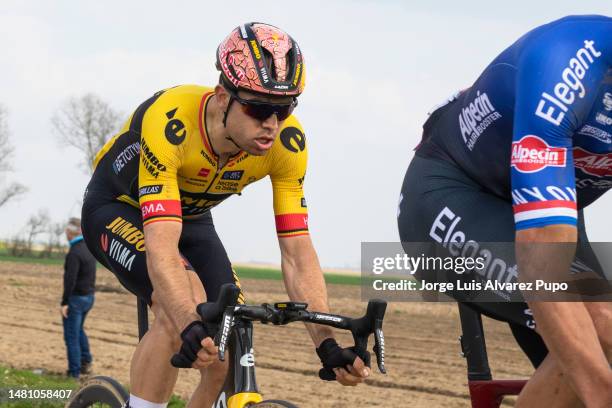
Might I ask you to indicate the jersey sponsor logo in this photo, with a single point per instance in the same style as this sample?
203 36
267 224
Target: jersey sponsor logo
208 158
445 230
204 172
531 154
126 230
603 119
596 133
121 254
602 184
607 101
526 195
125 156
146 190
150 161
153 208
553 108
232 175
293 139
104 242
303 202
291 222
231 186
595 164
476 117
175 129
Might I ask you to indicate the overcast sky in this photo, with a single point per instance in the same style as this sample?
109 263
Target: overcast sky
374 70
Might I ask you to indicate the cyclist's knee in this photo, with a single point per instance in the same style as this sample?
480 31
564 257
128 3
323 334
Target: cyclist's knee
163 325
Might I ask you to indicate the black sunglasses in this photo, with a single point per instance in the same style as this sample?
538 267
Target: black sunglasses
263 110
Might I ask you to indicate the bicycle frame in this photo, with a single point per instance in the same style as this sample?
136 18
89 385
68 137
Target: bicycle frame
484 391
240 387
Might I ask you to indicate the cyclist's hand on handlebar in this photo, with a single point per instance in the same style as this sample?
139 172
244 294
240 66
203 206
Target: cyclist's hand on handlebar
356 373
348 366
198 349
207 355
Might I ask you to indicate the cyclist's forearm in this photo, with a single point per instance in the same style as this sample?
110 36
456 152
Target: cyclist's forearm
570 335
304 283
172 288
567 328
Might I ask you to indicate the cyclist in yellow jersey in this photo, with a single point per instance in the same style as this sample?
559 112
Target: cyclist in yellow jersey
182 152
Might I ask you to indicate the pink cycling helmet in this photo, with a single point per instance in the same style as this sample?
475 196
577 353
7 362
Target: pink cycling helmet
261 58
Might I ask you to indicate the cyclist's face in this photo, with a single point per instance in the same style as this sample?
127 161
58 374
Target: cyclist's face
253 135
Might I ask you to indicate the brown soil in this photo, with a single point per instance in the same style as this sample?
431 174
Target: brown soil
423 361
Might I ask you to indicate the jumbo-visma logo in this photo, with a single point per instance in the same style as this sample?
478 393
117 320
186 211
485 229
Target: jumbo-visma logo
531 154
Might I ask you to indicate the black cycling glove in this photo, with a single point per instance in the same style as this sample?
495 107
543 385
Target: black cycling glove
333 356
192 338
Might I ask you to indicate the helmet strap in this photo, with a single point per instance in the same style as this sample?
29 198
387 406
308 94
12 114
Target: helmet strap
232 140
229 104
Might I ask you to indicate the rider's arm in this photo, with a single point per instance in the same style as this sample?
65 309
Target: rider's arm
165 132
567 328
300 265
550 107
171 284
304 280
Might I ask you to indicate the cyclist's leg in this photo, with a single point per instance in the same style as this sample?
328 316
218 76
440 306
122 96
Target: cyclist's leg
588 262
202 247
434 195
438 200
113 232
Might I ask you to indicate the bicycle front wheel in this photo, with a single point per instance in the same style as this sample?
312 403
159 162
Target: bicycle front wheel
274 404
99 391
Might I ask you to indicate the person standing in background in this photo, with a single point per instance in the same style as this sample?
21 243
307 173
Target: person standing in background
77 299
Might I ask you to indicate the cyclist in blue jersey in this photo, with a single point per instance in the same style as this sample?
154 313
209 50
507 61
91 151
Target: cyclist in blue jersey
515 158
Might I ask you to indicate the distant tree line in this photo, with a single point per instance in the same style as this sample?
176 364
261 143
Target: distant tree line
85 123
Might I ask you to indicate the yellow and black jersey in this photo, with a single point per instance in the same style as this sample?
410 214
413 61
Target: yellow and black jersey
162 162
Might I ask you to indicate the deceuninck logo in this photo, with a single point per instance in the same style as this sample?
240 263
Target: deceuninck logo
532 153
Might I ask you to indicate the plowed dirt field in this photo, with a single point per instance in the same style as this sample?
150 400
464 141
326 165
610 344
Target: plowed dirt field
423 361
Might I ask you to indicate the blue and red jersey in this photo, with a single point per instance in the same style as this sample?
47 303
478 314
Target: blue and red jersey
536 126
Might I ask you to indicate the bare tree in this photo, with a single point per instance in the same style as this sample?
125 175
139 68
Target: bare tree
6 152
36 225
22 244
85 123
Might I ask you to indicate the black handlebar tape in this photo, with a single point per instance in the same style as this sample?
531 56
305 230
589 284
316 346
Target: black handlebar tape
213 311
376 310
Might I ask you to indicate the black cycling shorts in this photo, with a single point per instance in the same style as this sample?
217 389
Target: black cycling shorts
435 195
114 234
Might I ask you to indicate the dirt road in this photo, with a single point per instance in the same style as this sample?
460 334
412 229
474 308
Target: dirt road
423 361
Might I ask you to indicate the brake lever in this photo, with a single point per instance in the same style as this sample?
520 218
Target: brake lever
222 338
379 346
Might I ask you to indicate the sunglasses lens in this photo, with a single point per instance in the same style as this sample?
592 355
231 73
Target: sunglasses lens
264 111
